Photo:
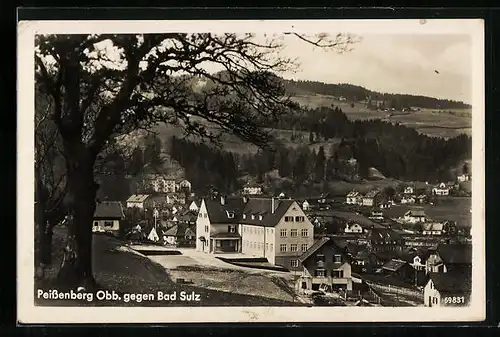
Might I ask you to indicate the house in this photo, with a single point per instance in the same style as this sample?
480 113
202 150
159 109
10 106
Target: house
371 198
353 228
399 269
276 229
107 217
414 216
183 186
384 240
137 200
385 204
409 190
160 183
352 198
153 235
194 207
450 257
179 235
189 218
432 228
376 216
408 199
326 265
176 198
305 205
447 289
252 190
463 178
422 199
442 190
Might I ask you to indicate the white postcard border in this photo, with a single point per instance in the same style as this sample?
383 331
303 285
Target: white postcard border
28 313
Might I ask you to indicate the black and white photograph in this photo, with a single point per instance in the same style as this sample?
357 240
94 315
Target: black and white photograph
251 171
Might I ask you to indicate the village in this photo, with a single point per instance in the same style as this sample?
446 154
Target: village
383 247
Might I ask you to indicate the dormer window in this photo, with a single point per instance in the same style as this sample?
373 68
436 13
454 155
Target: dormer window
260 217
244 216
230 215
253 217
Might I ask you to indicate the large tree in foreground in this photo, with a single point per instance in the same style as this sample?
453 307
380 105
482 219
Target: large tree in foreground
104 86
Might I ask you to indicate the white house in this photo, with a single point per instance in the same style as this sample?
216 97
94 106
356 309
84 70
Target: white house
353 228
354 198
409 190
442 190
194 207
463 177
174 198
305 205
183 185
137 200
408 199
414 216
252 190
276 229
447 289
417 264
432 228
153 235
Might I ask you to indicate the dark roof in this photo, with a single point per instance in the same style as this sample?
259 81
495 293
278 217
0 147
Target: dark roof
415 212
179 230
455 253
109 210
394 265
378 234
218 213
451 282
320 243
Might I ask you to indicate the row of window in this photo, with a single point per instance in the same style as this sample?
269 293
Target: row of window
297 219
304 232
254 230
293 247
202 215
258 245
320 272
337 258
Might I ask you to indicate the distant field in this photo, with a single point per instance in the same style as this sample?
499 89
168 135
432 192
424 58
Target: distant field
435 123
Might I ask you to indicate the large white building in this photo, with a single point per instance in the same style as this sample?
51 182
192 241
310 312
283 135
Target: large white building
276 229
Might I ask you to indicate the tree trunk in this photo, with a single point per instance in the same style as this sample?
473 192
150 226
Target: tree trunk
76 268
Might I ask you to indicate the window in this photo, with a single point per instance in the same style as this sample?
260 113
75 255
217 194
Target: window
337 273
206 229
282 247
289 219
96 223
294 263
304 232
200 215
434 300
320 257
205 215
293 232
267 246
299 219
244 216
293 247
320 272
303 247
231 229
108 223
283 233
253 217
337 258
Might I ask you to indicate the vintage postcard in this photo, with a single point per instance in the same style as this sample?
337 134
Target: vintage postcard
251 171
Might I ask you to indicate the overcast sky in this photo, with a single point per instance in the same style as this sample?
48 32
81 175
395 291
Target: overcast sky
393 64
431 65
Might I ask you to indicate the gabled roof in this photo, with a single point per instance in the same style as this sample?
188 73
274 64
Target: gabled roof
394 265
432 226
179 230
415 212
263 206
109 210
320 243
137 197
451 282
217 212
455 253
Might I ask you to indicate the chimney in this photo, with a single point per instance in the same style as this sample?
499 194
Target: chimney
222 200
274 204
